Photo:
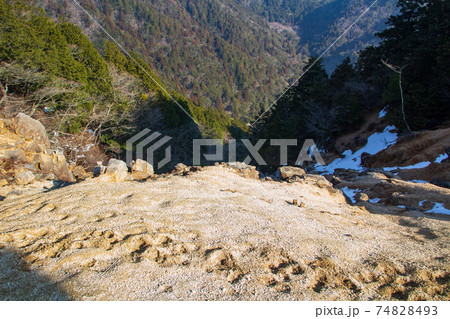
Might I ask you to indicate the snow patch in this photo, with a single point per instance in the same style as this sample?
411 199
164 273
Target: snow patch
415 166
441 158
383 112
439 209
375 143
351 193
419 181
374 200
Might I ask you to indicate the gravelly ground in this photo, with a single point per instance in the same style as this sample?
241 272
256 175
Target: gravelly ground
214 235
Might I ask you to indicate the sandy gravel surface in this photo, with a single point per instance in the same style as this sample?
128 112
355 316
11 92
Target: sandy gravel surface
214 235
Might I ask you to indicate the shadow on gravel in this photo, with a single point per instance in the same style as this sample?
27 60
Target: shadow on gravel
18 282
57 185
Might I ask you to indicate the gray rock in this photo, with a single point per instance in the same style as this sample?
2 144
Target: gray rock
245 170
238 165
25 178
287 172
30 167
61 169
30 128
249 172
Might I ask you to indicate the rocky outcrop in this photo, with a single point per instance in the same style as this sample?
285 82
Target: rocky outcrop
53 163
317 180
396 192
31 129
423 146
25 178
24 152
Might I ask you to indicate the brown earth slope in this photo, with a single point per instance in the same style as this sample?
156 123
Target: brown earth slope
423 146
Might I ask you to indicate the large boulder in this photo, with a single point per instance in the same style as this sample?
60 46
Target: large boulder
142 169
54 164
30 128
287 172
116 171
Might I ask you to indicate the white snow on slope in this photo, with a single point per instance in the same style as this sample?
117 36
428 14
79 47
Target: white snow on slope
351 193
418 165
439 209
375 143
382 113
441 158
419 181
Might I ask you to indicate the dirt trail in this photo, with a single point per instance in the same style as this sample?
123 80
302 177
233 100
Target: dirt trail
217 236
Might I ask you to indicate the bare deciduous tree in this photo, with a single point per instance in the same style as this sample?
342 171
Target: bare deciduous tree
399 71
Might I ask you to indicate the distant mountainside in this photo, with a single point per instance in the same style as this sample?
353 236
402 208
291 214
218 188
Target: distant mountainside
319 23
236 55
219 53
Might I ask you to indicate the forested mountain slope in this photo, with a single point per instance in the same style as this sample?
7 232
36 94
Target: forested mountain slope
220 54
234 55
53 72
320 23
